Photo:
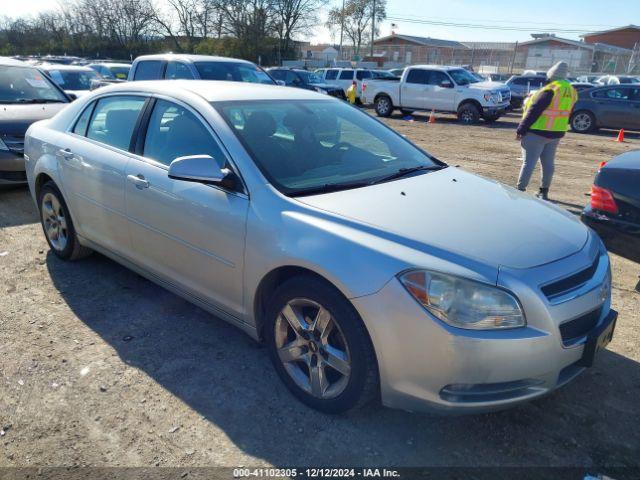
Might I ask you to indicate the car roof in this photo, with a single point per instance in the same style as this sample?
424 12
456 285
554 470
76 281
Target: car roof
443 68
110 64
57 66
12 62
189 58
216 91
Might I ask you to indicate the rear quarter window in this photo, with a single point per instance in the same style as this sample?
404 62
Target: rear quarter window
331 75
148 70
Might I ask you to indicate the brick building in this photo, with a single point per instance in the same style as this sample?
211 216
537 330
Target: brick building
625 37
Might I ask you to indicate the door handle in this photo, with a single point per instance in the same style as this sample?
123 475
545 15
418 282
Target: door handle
138 180
66 153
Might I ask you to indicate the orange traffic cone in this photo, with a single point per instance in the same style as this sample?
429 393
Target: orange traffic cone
620 135
432 117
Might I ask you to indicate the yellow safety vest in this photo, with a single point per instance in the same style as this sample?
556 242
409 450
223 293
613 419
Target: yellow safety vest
351 94
556 117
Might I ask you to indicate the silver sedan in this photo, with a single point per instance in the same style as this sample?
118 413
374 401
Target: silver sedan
370 269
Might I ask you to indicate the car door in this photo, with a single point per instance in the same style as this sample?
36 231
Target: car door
634 117
415 89
614 107
345 79
93 156
442 97
189 234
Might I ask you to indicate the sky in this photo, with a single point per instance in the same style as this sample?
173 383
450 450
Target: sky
520 18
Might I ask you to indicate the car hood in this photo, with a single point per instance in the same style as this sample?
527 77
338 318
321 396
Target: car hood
488 85
326 86
15 119
464 214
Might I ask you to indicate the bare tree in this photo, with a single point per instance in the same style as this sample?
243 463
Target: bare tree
295 17
357 16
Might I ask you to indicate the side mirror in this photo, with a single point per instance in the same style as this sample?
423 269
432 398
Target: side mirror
282 83
202 169
446 84
72 96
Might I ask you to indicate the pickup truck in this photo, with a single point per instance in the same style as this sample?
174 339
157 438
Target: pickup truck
439 88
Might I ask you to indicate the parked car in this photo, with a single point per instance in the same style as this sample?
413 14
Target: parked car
302 221
499 77
75 80
607 107
112 72
443 89
26 96
344 78
382 75
171 66
587 78
614 208
521 86
293 77
396 72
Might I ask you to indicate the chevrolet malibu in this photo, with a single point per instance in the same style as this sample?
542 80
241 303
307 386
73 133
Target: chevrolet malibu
369 268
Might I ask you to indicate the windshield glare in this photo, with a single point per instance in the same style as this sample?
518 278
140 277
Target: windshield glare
302 146
310 77
25 84
74 79
463 77
232 71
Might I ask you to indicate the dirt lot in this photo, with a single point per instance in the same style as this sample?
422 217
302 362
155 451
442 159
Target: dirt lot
101 367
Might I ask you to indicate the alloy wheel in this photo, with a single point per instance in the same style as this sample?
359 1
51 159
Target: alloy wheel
582 122
312 348
383 106
55 222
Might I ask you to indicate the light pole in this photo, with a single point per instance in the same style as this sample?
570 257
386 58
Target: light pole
341 27
373 26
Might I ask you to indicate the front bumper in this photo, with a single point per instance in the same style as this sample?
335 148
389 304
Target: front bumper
12 170
426 365
494 111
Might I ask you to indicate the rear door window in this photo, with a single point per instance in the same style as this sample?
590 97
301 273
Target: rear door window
149 70
417 75
362 74
346 75
178 70
331 74
114 120
613 94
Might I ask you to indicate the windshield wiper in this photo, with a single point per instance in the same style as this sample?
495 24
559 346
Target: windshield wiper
403 172
38 100
330 187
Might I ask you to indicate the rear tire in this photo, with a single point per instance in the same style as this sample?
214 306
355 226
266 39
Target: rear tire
57 224
583 121
468 114
383 106
325 360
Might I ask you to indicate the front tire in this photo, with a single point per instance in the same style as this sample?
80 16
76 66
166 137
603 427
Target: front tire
468 114
57 224
319 346
383 106
583 121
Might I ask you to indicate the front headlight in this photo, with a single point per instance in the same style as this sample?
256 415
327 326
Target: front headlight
463 303
3 146
493 97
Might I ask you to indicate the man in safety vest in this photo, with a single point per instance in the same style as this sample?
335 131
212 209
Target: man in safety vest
545 120
352 93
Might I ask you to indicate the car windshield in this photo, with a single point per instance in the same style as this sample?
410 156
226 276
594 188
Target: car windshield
27 85
463 77
310 77
232 71
73 79
315 146
120 73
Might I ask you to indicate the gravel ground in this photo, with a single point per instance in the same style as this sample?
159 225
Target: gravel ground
101 367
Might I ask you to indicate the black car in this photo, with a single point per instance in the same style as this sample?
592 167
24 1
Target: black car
614 209
522 85
614 106
293 77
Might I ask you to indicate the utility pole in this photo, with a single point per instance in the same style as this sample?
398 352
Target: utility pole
341 27
373 26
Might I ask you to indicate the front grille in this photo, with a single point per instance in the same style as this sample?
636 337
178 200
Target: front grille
575 329
572 282
14 143
505 95
13 176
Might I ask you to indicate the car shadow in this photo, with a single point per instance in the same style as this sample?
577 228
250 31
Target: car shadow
226 378
16 207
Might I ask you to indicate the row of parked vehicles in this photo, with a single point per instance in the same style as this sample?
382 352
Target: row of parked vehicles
298 219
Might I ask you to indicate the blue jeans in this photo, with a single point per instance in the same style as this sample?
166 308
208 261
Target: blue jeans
536 147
